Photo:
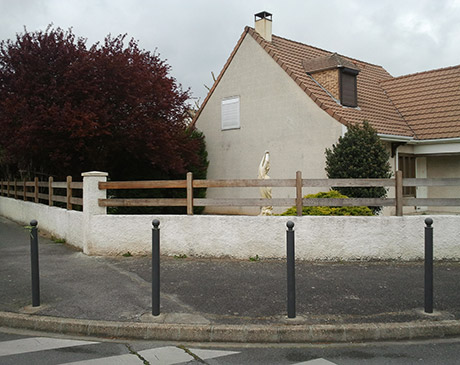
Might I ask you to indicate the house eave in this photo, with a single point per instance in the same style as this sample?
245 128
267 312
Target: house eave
436 141
433 147
394 138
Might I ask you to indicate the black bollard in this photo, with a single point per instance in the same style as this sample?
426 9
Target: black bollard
34 263
428 266
156 268
290 270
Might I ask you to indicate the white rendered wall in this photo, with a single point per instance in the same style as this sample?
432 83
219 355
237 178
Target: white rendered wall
276 115
443 167
241 237
61 223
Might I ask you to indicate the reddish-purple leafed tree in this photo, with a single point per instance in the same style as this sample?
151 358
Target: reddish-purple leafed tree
66 108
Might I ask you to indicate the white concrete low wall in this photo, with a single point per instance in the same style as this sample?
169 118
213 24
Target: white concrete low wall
317 238
61 223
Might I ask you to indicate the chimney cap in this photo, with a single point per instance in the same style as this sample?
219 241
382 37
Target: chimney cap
263 15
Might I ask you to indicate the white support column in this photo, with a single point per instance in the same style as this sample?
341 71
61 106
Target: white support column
421 172
91 196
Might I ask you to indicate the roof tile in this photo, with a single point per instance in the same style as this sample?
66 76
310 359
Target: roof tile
409 105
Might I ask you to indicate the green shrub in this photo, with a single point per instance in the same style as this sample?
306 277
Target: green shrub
359 154
322 210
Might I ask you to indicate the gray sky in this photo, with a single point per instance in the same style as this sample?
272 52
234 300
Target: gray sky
197 36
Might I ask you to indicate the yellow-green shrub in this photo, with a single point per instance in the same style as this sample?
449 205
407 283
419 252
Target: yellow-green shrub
322 210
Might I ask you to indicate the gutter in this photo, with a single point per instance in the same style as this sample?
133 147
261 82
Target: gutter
394 138
435 141
412 140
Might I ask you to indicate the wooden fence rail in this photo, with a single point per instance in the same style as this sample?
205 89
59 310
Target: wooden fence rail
37 191
298 183
41 191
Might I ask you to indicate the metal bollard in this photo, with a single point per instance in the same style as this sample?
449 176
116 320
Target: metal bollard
428 266
34 263
290 270
155 268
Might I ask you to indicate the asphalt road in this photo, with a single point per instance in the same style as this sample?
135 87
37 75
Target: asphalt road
34 348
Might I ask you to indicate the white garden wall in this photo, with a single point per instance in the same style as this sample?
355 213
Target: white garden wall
61 223
317 238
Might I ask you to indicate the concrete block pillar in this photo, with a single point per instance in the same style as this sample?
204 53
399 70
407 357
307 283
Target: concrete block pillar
91 208
92 194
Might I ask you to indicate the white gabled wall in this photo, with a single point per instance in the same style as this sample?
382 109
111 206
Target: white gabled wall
276 115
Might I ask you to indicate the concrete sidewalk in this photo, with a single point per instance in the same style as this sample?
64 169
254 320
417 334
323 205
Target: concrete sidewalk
221 300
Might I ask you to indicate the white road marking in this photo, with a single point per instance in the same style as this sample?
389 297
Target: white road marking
166 355
33 344
316 362
211 354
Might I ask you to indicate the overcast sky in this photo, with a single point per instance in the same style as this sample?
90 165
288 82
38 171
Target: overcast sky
197 36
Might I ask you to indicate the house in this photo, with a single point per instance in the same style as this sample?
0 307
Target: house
296 100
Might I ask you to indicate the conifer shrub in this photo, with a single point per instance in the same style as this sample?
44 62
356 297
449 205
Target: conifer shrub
359 154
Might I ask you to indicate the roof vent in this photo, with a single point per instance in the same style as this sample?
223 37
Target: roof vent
263 25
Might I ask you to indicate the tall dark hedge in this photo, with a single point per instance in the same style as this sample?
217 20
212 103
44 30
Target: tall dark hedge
359 154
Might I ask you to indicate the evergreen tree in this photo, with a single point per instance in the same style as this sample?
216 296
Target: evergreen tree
359 154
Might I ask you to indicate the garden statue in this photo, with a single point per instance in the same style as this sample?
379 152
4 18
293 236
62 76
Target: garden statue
266 191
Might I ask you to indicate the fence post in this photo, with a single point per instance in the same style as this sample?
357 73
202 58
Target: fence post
290 270
15 189
399 193
69 192
25 189
189 193
156 267
298 190
428 266
34 264
50 191
8 188
36 190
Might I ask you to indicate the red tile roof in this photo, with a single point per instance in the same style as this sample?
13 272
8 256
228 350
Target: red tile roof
429 101
404 106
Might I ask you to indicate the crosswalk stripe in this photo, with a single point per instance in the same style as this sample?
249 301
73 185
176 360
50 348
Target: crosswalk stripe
172 355
33 344
165 355
316 362
211 354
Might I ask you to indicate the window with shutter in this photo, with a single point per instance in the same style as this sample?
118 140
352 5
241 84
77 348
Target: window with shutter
231 113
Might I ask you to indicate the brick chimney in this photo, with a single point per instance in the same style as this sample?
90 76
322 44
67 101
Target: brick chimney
263 25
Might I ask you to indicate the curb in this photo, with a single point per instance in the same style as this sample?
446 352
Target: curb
289 333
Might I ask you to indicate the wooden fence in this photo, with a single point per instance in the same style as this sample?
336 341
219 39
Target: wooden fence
43 191
298 183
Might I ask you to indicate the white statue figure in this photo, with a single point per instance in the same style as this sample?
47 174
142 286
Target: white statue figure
266 191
